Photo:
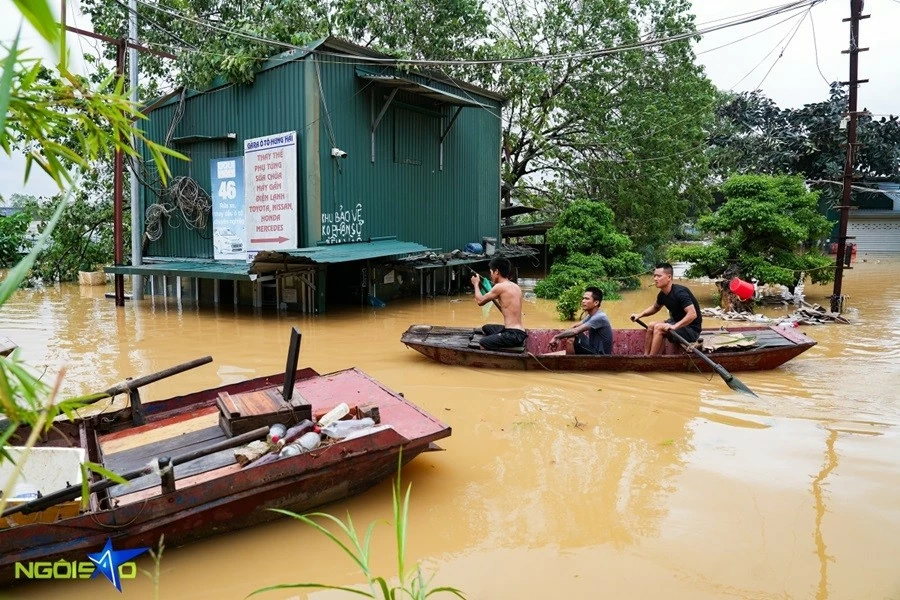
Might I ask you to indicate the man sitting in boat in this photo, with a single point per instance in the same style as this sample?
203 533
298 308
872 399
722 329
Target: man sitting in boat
508 297
594 335
684 312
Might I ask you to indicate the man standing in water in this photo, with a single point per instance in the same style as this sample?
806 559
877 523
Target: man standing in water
509 300
684 311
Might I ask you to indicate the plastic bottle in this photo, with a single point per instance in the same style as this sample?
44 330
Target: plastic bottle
295 432
309 440
341 429
338 412
276 432
291 450
486 285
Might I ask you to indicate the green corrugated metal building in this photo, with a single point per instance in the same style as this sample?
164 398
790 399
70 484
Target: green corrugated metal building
422 154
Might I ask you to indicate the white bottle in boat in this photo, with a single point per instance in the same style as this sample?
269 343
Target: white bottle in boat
308 441
341 429
311 439
338 412
276 432
296 431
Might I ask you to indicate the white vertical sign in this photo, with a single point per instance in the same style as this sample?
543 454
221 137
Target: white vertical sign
270 172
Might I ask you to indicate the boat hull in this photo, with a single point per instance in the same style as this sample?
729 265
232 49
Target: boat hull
449 346
232 497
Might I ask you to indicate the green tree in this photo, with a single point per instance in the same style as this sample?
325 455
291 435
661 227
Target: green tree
753 135
587 248
86 241
12 237
626 128
431 28
768 229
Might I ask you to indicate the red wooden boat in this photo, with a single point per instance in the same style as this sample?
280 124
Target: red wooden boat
755 349
212 492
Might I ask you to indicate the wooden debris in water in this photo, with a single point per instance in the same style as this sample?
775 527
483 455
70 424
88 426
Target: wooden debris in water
807 314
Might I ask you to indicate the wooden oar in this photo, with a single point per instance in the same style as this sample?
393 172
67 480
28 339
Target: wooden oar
74 491
732 381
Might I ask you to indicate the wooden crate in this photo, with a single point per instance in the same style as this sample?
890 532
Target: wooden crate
240 413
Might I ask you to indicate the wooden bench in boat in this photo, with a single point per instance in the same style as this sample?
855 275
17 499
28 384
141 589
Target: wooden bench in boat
476 345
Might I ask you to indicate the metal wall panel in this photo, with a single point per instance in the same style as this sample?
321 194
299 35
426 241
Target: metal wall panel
873 233
274 103
404 192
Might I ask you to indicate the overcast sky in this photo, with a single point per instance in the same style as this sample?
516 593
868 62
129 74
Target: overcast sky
794 80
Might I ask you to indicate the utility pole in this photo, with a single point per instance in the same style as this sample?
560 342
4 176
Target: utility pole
856 8
118 160
137 282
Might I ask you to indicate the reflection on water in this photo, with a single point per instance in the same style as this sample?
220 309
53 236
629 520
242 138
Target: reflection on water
831 460
566 485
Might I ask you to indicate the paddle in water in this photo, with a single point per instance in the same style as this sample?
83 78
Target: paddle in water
732 381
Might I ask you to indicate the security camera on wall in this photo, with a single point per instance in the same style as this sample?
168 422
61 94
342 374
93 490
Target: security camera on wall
338 153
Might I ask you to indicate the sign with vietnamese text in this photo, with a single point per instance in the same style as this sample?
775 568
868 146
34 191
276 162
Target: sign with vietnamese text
226 177
270 175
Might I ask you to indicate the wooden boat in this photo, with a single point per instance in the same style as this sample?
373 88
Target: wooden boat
213 493
752 349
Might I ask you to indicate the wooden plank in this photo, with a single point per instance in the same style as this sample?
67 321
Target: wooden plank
229 405
140 436
135 458
201 465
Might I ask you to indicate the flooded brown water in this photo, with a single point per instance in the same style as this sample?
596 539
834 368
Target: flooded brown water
553 485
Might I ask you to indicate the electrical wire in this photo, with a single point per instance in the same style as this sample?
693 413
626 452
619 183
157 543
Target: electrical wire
592 53
153 24
812 24
796 29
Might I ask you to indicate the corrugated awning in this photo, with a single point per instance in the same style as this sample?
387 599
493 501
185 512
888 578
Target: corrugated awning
414 87
276 260
235 270
339 253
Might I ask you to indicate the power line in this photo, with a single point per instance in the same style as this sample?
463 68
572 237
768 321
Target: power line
153 24
591 53
816 48
796 29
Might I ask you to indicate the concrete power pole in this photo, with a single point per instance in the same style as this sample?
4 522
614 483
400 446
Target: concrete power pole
856 8
137 282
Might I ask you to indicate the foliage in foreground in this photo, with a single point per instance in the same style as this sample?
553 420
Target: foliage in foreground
588 248
768 229
412 583
38 108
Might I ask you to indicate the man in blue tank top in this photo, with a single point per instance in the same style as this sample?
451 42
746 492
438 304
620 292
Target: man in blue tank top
594 335
684 311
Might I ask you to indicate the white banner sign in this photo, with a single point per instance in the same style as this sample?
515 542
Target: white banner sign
270 171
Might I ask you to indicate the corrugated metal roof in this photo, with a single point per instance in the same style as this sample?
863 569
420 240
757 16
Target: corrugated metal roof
205 269
338 253
240 270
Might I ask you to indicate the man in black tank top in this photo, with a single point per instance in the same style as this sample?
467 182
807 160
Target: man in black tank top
684 311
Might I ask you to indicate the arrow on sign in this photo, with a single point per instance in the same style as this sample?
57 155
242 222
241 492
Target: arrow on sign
277 240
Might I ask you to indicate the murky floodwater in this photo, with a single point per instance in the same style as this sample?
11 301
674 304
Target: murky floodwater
553 485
